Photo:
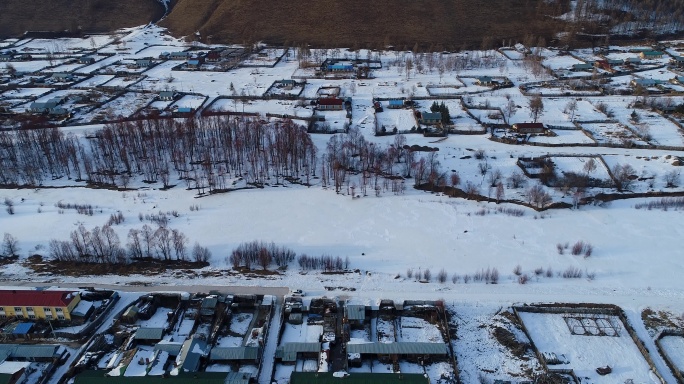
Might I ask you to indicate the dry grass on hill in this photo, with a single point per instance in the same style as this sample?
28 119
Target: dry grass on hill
440 24
18 16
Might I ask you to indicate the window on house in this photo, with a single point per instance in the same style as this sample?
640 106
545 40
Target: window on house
47 310
48 316
17 309
32 316
2 316
60 317
20 315
58 309
29 309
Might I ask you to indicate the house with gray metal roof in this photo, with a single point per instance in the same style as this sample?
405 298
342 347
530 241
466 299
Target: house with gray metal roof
149 334
234 353
289 352
358 378
191 352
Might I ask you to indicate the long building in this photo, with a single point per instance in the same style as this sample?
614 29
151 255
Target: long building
38 305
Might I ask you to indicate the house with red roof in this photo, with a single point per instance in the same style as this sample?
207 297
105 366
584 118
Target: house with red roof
38 305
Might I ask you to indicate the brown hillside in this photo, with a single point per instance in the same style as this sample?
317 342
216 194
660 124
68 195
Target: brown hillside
440 24
18 16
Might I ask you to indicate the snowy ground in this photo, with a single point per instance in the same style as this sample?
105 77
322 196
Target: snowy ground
673 347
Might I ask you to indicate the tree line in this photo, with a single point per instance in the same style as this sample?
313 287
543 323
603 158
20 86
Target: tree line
205 152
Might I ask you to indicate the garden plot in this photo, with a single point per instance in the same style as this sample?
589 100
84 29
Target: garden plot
189 101
94 81
576 165
478 350
301 332
673 347
153 51
557 108
26 93
552 336
158 320
334 121
138 366
100 65
612 133
64 68
563 136
122 81
415 329
30 66
280 89
555 62
160 104
656 128
486 116
281 107
465 123
266 57
239 324
399 119
445 90
385 330
125 105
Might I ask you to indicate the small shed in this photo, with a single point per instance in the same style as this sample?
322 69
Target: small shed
149 334
130 315
395 104
330 103
237 378
23 329
167 95
650 55
289 352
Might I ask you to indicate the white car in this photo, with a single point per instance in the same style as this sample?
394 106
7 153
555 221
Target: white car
296 292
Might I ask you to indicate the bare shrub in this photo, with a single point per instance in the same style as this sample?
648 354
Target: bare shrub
664 204
466 279
455 278
427 275
515 212
409 273
481 212
581 247
201 254
517 270
480 154
572 273
523 279
591 275
10 245
549 272
559 247
539 271
115 219
9 206
442 276
489 275
517 180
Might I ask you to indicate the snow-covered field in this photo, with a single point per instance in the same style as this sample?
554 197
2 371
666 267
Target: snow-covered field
673 347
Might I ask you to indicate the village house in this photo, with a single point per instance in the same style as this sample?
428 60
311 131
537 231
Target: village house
645 83
86 60
194 63
650 55
484 81
633 61
178 55
43 305
25 57
45 106
330 104
5 57
677 61
143 63
581 67
62 77
213 56
167 95
431 118
529 128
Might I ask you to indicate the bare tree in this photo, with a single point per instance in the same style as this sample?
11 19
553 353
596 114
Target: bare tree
571 108
10 245
536 107
200 253
672 179
180 242
623 175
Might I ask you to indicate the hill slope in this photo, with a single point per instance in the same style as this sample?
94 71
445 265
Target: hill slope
449 23
18 16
